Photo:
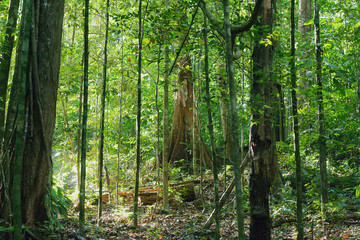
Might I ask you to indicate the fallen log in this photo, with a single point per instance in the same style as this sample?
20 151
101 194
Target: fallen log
227 193
185 190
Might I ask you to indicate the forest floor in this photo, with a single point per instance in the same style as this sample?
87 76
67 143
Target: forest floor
186 220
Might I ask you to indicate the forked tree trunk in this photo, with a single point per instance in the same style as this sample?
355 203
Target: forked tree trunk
42 83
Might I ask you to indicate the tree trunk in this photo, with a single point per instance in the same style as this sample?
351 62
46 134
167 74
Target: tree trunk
235 153
211 132
120 125
102 120
305 30
299 189
84 119
262 140
166 147
138 121
157 129
225 115
42 77
181 135
321 115
6 52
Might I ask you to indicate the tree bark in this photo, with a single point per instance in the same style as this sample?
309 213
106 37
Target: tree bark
304 16
181 134
102 120
138 120
166 147
235 153
42 77
6 52
262 140
321 115
84 119
120 125
299 189
211 132
225 115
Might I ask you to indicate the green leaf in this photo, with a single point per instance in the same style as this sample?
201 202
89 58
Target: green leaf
310 22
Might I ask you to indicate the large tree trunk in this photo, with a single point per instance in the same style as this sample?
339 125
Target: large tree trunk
181 137
262 140
42 84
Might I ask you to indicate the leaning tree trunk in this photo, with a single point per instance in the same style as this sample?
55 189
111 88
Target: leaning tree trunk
262 140
42 79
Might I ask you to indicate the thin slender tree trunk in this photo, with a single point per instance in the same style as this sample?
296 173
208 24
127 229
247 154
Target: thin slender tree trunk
299 194
166 147
5 60
19 85
321 115
157 126
235 153
211 132
304 30
195 132
84 118
225 116
102 120
138 122
78 134
120 125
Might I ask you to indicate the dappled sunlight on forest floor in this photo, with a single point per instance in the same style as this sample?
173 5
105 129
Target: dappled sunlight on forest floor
186 221
187 224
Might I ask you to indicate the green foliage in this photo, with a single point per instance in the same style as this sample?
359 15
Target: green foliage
60 203
357 191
